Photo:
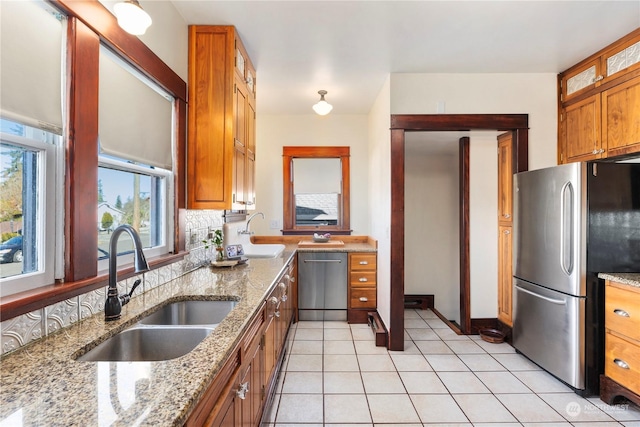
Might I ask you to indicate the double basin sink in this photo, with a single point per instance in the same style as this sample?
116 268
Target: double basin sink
168 333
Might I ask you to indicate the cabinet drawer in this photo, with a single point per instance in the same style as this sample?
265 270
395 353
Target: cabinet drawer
621 352
362 278
363 298
622 312
363 262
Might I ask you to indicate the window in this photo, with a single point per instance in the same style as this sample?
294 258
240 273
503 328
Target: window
27 190
134 173
316 190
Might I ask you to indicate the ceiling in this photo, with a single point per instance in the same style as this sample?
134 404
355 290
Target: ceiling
349 47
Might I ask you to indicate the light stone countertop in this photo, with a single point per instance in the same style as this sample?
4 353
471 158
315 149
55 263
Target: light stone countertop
42 384
631 279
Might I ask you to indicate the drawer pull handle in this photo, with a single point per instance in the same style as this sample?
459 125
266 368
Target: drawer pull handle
362 279
621 363
620 312
364 262
364 299
242 390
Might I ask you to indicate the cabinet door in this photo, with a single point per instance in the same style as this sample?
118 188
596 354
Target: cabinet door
505 280
621 118
250 188
581 78
505 178
582 130
251 400
270 334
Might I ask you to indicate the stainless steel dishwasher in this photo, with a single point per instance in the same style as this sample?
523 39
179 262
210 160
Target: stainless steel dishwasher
322 286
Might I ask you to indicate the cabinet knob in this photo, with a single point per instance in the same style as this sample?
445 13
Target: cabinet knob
276 313
507 216
273 300
621 312
283 298
507 231
242 390
364 262
621 363
594 152
362 279
364 299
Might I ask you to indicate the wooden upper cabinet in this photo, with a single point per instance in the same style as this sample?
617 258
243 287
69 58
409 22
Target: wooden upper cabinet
621 118
221 120
581 122
581 78
505 178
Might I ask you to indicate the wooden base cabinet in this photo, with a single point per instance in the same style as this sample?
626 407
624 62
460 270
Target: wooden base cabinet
505 222
239 393
362 289
505 275
622 343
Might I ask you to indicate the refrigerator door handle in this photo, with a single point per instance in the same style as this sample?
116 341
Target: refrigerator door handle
551 300
566 228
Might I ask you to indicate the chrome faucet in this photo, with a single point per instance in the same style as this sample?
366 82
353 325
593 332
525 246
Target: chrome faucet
246 230
113 304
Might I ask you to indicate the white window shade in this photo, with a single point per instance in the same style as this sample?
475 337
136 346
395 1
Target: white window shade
317 176
31 66
135 116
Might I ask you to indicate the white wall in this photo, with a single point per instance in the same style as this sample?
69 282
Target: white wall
274 132
379 188
432 254
532 94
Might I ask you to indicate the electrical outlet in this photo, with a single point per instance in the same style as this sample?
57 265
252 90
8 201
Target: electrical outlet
274 224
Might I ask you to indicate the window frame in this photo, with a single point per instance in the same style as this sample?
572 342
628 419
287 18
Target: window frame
46 202
88 25
289 208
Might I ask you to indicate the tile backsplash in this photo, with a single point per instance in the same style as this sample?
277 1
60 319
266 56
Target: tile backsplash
24 329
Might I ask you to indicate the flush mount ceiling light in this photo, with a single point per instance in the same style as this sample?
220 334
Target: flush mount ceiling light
131 17
322 107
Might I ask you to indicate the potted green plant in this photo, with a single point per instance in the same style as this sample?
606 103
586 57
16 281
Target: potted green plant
215 239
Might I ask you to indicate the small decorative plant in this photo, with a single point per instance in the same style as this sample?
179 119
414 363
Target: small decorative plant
215 239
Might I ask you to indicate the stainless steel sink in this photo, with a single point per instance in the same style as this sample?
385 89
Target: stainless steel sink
170 332
208 313
147 344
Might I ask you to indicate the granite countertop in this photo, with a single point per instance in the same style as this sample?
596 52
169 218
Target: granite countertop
42 383
631 279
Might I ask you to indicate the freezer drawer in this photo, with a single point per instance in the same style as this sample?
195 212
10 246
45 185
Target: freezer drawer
548 328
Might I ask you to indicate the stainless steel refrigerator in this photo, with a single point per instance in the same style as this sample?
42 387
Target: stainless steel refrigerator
570 223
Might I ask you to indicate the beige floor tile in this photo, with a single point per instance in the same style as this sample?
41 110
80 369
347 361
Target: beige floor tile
340 362
448 335
483 408
481 362
375 362
306 347
300 408
369 347
626 411
346 408
529 408
502 382
410 362
307 324
574 408
382 383
427 314
465 347
516 362
422 382
336 324
304 362
436 323
411 314
422 334
337 334
409 348
339 347
542 382
343 383
438 409
433 347
313 334
415 323
445 362
362 334
392 408
491 348
302 382
462 382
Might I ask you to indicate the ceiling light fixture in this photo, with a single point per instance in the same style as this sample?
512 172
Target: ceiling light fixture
322 107
131 17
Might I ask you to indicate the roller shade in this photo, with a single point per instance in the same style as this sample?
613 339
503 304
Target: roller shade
317 176
31 64
135 116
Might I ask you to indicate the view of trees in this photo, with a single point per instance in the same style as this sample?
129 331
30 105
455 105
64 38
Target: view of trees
11 186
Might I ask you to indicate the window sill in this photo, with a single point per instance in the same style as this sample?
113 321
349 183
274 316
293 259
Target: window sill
25 302
311 230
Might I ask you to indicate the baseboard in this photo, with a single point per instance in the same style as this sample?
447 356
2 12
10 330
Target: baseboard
378 328
423 302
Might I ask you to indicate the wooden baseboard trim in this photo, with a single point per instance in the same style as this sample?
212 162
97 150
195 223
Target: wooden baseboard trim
378 328
611 390
423 302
